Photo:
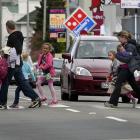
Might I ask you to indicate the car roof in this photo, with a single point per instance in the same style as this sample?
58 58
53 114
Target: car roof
93 37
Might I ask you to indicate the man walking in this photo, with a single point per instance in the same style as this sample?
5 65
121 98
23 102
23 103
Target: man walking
15 40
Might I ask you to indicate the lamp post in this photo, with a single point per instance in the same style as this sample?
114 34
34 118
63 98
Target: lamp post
0 24
67 33
44 19
28 25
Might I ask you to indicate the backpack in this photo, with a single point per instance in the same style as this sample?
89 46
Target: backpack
3 68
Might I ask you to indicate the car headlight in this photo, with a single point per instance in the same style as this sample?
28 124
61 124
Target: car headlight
82 71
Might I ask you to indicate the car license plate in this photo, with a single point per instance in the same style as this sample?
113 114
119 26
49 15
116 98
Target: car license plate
104 85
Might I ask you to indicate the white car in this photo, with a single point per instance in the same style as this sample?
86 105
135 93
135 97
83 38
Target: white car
57 63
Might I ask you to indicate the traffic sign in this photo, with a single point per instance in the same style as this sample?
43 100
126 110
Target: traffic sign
79 21
130 3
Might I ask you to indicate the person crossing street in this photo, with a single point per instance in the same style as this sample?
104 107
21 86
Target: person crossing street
15 40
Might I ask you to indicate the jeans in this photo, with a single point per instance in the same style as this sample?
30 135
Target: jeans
123 76
17 94
22 83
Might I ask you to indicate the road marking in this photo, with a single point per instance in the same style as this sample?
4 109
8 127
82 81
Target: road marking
92 113
138 107
73 110
102 107
56 105
127 139
45 104
59 106
116 119
25 98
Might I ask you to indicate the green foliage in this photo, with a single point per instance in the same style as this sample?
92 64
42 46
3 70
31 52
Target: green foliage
37 40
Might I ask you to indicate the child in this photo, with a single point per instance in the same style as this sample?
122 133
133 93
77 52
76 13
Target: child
26 69
3 65
126 88
45 63
134 62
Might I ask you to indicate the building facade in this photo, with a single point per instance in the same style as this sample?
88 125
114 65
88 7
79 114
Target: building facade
15 10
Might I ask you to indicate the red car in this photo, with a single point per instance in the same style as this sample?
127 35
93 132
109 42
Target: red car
86 66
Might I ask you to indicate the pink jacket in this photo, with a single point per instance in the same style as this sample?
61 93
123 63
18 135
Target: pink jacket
48 64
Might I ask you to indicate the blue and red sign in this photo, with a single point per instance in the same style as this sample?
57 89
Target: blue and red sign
79 21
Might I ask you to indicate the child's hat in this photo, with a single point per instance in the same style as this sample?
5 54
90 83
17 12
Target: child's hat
6 50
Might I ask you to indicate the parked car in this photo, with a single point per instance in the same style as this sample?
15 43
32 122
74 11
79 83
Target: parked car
86 66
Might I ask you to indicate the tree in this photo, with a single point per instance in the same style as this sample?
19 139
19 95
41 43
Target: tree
37 40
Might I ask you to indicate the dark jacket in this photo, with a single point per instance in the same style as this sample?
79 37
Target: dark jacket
15 40
133 60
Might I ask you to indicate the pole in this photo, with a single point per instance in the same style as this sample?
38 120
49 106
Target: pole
67 32
136 12
28 25
0 24
44 19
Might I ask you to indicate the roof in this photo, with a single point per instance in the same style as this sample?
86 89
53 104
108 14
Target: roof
32 16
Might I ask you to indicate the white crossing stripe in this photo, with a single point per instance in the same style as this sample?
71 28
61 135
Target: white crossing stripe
92 113
73 110
59 105
116 119
25 98
138 107
127 139
102 107
55 105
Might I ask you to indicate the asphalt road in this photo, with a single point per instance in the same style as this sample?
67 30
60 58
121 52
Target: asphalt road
87 119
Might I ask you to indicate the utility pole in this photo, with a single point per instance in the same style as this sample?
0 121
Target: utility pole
44 19
28 25
0 24
136 22
67 15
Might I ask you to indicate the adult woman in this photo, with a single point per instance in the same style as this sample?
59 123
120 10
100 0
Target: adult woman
124 73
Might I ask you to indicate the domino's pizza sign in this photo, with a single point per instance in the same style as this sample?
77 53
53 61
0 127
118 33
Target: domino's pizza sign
79 21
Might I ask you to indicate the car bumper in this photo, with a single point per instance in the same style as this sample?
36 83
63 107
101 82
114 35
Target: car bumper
85 85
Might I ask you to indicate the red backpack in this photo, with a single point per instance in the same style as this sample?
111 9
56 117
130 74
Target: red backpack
3 68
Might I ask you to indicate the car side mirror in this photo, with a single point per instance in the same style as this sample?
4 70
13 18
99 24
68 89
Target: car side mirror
67 56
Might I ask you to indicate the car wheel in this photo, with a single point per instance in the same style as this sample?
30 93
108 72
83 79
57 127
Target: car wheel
72 95
125 99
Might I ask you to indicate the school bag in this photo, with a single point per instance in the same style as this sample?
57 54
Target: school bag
3 68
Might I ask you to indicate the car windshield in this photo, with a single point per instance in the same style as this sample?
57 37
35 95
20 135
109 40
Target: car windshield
95 49
57 63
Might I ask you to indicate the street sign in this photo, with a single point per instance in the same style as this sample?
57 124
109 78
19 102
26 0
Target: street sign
130 3
79 21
